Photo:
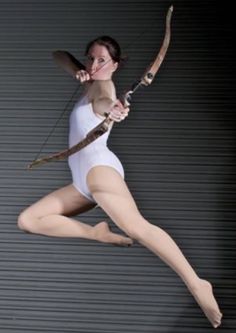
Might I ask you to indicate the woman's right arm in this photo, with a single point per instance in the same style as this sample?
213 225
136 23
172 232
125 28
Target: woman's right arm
68 62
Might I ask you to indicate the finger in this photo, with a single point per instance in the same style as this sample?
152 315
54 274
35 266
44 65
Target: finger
120 117
125 111
115 117
118 104
86 76
82 76
77 75
115 111
118 112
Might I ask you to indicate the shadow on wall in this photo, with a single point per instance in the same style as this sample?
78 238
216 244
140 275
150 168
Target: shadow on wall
225 279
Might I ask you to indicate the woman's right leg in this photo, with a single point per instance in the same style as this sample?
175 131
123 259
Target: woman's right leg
113 194
49 217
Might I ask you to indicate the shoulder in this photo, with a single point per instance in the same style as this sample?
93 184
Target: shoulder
102 89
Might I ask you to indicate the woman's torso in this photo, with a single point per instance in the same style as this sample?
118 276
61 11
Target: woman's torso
82 120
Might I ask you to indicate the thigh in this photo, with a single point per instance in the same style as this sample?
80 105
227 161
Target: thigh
64 201
113 196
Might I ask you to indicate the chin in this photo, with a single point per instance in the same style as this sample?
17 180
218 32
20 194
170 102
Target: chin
99 78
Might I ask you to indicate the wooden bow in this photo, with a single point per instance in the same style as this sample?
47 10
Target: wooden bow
103 127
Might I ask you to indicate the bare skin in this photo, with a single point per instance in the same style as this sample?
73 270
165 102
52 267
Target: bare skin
113 194
50 215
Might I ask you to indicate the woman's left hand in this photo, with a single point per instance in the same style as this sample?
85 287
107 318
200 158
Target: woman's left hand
118 112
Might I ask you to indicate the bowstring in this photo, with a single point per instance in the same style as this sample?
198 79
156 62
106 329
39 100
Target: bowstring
77 90
57 121
63 112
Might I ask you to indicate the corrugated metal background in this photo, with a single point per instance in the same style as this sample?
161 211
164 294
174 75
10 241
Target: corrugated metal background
177 146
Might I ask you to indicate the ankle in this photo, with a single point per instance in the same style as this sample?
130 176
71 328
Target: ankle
200 284
99 230
194 284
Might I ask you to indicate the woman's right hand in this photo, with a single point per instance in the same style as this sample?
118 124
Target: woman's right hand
82 76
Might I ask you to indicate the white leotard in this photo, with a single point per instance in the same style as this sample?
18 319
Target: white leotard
82 120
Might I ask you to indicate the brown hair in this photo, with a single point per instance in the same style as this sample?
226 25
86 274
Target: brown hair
111 45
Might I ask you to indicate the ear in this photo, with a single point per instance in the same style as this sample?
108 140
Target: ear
115 66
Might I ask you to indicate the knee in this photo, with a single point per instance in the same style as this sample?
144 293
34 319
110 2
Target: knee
24 222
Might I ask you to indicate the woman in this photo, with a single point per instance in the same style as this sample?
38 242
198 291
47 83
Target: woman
98 179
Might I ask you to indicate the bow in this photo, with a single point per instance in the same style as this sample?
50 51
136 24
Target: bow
103 127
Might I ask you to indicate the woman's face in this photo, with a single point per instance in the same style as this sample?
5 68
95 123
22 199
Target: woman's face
99 63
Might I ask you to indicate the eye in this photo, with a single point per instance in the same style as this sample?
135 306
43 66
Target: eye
101 60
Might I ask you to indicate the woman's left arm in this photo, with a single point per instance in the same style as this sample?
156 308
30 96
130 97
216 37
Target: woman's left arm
105 103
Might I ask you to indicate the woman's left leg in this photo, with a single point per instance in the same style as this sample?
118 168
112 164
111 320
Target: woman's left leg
49 216
111 193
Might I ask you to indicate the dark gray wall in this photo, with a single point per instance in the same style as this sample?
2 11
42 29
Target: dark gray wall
177 147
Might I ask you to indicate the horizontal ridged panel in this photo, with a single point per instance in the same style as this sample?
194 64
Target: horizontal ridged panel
177 147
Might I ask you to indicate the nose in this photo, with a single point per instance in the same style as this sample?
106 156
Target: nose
93 67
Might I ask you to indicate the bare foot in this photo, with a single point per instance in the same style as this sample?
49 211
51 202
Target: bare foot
103 234
204 296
